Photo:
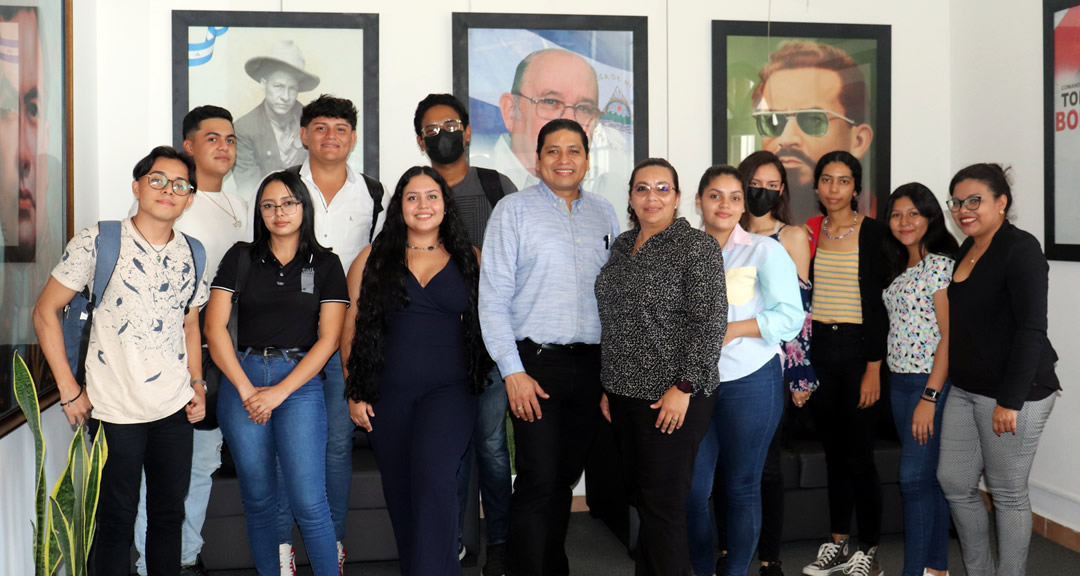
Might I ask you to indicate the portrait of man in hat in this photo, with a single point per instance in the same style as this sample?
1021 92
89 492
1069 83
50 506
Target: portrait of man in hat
268 137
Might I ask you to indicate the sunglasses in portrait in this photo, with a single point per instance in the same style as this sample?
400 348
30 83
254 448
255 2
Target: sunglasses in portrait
813 122
971 203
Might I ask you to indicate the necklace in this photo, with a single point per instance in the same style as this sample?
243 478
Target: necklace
230 212
974 257
825 228
429 248
156 251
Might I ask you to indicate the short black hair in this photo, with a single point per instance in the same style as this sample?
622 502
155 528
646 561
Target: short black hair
328 106
143 166
433 100
561 124
193 119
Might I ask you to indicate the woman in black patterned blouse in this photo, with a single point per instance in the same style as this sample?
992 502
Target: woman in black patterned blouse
663 309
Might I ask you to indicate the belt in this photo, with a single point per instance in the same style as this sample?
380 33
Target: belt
575 348
273 351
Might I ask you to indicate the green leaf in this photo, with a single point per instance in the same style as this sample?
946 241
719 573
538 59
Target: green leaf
99 453
61 530
26 396
66 498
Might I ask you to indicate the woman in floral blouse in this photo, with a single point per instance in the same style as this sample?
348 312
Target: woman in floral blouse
920 251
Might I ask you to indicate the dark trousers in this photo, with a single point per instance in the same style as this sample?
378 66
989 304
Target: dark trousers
847 433
659 469
550 457
163 449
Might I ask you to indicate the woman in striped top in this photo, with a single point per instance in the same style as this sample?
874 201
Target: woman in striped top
850 270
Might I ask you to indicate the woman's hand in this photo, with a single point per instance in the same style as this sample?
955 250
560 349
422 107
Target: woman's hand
361 414
263 402
922 422
672 405
1005 420
799 397
604 408
196 408
870 390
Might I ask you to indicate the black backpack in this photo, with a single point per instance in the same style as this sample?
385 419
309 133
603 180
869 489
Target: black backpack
489 180
375 188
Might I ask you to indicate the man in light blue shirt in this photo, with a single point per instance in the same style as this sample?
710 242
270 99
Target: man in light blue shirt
543 248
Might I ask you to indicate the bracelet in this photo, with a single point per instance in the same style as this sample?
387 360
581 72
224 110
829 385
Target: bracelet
68 403
200 381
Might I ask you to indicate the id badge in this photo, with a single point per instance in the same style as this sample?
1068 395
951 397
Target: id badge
307 281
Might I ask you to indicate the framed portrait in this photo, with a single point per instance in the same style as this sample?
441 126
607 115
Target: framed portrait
264 67
801 91
517 72
1061 128
35 180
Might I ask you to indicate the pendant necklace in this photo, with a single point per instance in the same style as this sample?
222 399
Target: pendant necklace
230 212
429 248
825 228
156 251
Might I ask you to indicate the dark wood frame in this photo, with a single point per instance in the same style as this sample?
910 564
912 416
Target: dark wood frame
1054 250
369 107
881 97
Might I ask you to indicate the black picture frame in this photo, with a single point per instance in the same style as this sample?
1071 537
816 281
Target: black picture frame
1061 106
621 40
870 48
318 29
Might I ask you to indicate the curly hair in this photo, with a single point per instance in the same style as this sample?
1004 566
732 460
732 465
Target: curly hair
382 292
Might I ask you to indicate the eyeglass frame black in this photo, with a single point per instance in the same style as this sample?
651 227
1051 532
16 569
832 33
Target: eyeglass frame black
576 107
955 205
168 181
264 207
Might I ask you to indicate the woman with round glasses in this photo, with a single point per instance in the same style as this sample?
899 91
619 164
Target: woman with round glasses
271 408
764 310
1001 366
663 314
415 363
849 272
921 254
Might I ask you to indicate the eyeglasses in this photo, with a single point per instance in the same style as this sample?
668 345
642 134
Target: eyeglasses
158 181
643 189
815 122
452 125
550 109
971 203
288 207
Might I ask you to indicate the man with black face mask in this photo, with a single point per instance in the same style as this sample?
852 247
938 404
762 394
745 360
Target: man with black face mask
442 131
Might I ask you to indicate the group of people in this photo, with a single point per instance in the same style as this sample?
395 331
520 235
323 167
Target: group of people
426 315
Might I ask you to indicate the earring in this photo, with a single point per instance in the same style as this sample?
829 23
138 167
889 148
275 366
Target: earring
1001 212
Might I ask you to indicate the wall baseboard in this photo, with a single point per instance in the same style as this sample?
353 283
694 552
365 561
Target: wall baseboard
1055 532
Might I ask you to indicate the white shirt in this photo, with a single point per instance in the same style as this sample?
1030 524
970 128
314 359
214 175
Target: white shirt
344 225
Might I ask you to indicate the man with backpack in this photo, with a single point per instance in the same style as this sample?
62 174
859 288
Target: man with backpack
442 130
143 359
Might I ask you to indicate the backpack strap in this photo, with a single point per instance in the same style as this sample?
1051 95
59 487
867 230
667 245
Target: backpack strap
375 188
492 185
198 253
108 252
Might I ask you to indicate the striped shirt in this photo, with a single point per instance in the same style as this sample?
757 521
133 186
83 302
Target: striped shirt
836 296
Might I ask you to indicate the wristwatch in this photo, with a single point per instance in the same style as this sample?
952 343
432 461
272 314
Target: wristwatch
685 386
930 393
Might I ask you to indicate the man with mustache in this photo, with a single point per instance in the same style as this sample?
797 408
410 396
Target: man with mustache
812 99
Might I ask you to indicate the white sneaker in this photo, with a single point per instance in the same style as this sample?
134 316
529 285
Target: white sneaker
927 572
462 552
864 564
340 559
287 559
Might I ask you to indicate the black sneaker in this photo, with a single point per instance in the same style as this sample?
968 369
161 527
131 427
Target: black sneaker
831 557
196 569
496 560
773 569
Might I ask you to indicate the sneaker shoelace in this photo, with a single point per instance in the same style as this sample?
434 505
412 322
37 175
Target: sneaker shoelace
826 552
341 560
860 564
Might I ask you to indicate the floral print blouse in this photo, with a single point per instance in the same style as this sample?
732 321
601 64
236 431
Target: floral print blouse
913 327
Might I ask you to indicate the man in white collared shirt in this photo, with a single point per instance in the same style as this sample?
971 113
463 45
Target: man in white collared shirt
348 209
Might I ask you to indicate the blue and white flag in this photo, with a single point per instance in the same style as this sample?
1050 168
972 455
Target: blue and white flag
199 53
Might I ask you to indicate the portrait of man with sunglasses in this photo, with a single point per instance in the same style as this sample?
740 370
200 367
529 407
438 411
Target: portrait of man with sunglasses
812 99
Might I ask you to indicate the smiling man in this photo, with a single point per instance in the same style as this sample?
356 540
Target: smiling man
812 100
543 248
268 137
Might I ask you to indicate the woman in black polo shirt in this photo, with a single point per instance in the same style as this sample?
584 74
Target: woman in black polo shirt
1001 365
271 407
415 362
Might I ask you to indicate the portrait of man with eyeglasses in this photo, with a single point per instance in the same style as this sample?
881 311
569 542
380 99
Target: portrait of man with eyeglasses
812 99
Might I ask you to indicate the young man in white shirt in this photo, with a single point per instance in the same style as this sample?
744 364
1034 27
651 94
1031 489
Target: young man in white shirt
144 363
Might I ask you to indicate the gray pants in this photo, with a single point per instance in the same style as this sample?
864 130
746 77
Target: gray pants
970 449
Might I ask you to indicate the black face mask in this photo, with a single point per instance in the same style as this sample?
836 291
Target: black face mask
445 147
759 201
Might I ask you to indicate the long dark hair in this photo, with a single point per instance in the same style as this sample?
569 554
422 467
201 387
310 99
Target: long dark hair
382 292
846 158
309 243
937 239
749 167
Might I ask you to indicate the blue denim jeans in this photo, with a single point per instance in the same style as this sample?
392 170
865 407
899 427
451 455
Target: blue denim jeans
926 512
339 445
205 460
489 447
745 418
295 436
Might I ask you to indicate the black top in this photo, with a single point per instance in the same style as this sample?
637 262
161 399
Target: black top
997 322
663 312
873 280
425 342
279 305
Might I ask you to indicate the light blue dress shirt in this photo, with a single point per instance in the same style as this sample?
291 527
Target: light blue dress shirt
537 271
761 284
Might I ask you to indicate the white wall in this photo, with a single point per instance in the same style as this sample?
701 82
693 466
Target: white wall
997 92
